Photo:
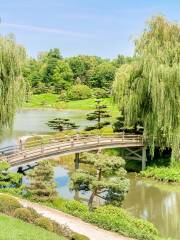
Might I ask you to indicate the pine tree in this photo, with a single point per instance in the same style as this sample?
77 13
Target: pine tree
99 114
42 186
107 181
61 124
9 179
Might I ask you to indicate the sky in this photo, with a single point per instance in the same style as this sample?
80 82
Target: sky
104 28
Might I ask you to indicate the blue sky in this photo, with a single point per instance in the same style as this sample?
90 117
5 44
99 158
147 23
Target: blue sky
96 27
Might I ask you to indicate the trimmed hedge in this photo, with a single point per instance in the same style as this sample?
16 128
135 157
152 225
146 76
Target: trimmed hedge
8 204
23 214
110 218
45 223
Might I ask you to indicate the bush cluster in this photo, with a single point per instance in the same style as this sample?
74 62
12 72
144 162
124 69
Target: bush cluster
76 92
110 218
10 206
166 174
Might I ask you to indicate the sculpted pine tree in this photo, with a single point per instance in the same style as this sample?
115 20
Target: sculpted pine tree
107 181
99 114
42 186
9 179
61 124
149 87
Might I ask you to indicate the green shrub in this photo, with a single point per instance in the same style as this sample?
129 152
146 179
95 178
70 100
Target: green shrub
34 214
110 218
76 207
62 230
23 214
8 204
79 92
100 93
167 174
44 223
77 236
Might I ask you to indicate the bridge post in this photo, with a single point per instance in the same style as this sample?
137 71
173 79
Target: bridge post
77 160
42 147
123 136
144 159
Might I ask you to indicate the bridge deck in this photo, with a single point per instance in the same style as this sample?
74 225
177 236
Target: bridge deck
24 153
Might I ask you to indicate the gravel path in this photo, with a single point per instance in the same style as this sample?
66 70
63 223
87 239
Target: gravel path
74 223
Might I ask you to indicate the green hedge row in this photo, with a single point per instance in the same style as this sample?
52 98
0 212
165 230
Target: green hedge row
110 218
10 206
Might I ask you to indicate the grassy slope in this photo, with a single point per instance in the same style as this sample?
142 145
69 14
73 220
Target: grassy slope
49 100
15 229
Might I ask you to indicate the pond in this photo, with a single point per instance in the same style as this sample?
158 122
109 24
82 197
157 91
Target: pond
156 202
29 122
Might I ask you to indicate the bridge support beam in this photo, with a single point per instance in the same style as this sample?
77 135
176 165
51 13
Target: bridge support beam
144 158
77 160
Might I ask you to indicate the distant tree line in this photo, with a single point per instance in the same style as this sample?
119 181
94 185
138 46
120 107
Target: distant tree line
74 77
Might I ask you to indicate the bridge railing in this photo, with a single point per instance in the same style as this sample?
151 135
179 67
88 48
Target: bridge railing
38 146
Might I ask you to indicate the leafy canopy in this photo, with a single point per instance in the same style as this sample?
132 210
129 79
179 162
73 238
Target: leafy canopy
108 180
149 87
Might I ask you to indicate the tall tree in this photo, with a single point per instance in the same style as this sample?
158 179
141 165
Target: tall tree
149 88
102 75
52 58
108 181
12 85
81 66
62 77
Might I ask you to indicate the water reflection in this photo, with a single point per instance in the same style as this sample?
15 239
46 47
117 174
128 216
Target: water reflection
28 122
156 204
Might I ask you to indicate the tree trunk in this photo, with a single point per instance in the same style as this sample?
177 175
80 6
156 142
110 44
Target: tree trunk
90 202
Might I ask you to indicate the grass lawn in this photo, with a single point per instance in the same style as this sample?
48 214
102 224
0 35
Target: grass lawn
49 100
15 229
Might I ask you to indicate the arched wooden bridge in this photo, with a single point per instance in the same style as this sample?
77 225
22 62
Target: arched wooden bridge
28 152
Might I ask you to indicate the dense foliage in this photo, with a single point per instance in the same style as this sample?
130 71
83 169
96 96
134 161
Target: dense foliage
50 72
165 174
76 92
149 88
42 186
110 218
9 179
12 58
108 181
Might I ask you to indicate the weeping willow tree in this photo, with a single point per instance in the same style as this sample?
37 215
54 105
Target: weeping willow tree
12 58
149 87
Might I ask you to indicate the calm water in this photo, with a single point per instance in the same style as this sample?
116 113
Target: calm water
29 122
158 203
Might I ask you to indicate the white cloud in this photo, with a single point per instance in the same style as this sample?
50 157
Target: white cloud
47 30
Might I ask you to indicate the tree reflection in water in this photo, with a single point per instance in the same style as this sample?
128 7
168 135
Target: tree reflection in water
157 204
